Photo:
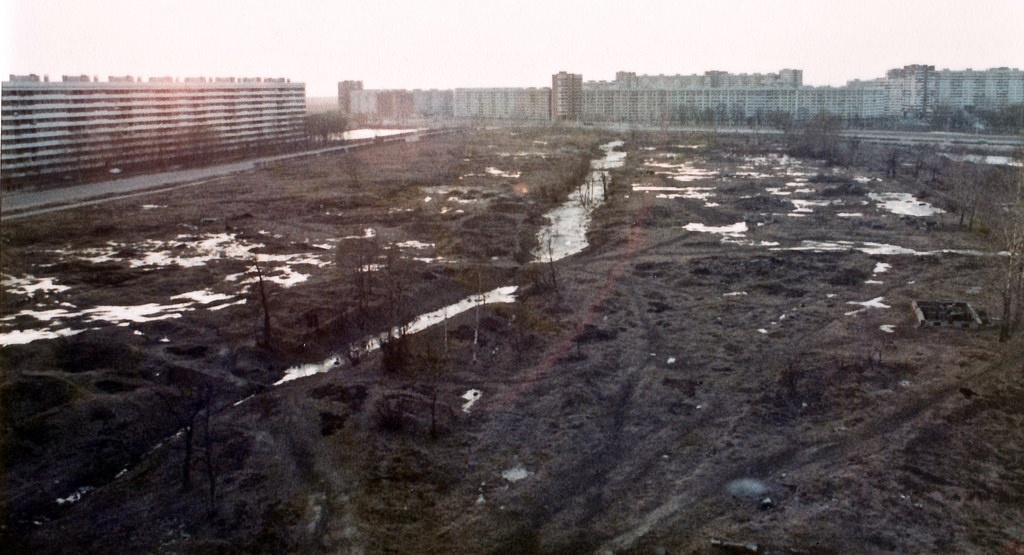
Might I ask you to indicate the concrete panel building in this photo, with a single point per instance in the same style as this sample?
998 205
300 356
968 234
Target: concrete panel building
566 96
80 125
524 104
730 99
345 89
917 90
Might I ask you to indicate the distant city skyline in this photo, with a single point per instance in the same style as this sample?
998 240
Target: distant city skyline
458 43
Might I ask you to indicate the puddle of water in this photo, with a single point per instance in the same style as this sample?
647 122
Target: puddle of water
904 204
424 321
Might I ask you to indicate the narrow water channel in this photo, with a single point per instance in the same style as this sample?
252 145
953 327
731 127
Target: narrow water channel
565 235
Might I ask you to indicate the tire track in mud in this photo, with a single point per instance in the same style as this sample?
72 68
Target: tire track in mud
578 491
874 436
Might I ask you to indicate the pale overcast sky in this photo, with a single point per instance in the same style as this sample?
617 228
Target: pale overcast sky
483 43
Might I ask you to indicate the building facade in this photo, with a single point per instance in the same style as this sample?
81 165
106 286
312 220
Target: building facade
508 104
566 96
80 125
726 98
918 90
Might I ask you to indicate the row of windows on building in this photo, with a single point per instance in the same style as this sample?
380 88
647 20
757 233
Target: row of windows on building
631 97
82 125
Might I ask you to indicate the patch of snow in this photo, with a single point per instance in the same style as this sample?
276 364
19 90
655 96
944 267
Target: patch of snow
499 173
424 321
203 297
413 244
873 303
30 285
904 204
74 497
471 397
515 473
21 337
735 230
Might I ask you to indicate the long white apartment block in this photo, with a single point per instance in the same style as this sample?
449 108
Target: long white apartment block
79 125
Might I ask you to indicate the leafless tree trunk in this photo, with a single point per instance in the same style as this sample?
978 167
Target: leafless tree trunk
265 304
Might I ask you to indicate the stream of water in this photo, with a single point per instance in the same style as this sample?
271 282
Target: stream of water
564 236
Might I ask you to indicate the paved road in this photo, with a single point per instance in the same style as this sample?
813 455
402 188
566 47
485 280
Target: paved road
20 204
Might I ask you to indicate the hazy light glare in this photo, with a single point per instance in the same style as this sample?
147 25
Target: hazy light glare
459 43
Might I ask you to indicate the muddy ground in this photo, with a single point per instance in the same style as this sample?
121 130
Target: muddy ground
685 384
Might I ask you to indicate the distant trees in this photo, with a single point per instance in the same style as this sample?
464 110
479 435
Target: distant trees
1007 224
819 138
990 201
321 127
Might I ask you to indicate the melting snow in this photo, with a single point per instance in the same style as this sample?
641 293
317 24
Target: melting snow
873 303
30 285
904 204
515 473
471 397
371 343
735 230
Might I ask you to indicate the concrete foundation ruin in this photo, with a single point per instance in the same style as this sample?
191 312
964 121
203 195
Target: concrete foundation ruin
956 314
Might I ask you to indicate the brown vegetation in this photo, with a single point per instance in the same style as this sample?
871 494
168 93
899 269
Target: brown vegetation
620 396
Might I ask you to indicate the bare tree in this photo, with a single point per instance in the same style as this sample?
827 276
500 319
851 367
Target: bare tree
191 401
261 291
1008 225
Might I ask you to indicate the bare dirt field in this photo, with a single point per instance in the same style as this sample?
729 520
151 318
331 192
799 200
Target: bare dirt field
732 364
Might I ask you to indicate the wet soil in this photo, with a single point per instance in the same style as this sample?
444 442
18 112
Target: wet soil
621 396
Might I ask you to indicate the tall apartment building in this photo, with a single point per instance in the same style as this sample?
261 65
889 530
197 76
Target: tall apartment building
917 90
727 98
566 96
729 105
380 105
80 125
345 89
512 103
